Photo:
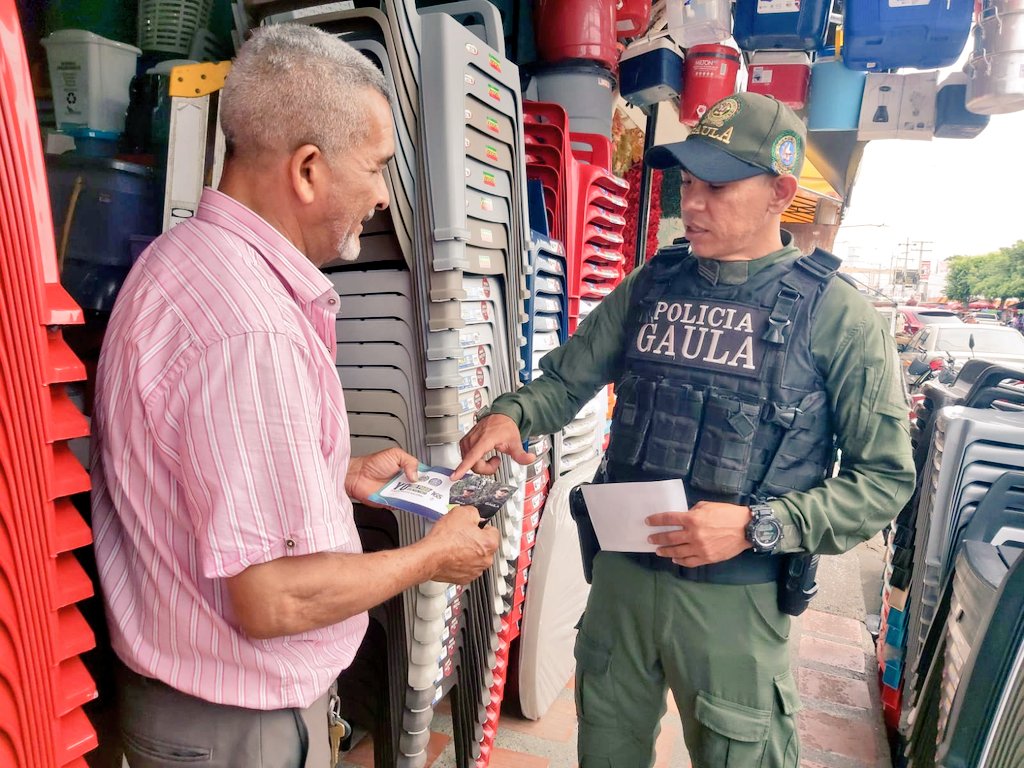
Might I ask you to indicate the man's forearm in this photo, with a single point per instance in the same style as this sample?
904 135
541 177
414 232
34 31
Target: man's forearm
847 509
542 407
291 595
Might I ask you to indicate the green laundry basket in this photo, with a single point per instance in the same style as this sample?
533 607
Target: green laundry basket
168 26
112 20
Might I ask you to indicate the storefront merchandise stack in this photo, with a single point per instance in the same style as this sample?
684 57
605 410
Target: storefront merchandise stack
43 681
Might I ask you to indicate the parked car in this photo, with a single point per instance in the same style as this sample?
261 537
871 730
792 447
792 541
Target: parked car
985 316
913 319
959 342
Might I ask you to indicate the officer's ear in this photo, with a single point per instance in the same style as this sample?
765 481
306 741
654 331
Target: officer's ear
784 189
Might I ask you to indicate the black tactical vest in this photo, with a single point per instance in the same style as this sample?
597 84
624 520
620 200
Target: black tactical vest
719 385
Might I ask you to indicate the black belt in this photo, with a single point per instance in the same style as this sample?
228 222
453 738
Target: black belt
746 568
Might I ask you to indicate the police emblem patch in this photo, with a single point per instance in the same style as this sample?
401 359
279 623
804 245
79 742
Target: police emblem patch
785 151
722 112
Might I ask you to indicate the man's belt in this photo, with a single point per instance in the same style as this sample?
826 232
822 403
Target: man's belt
746 568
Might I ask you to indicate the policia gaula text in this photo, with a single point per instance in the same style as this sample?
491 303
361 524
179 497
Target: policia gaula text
741 367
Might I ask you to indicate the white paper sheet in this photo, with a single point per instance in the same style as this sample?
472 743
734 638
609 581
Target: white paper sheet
618 511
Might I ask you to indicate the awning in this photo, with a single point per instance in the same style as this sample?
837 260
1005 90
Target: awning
813 187
836 155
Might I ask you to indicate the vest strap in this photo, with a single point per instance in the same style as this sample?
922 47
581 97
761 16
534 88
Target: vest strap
819 263
779 319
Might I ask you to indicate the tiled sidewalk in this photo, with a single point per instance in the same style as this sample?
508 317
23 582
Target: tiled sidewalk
840 725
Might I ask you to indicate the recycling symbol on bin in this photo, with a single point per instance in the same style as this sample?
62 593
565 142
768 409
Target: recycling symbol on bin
71 98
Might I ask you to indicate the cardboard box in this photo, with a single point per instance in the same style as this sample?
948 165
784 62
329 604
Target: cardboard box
898 106
917 109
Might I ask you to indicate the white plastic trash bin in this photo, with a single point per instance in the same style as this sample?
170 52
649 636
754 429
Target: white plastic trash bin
90 76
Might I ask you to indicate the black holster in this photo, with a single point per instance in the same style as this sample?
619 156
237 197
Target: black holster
589 546
797 585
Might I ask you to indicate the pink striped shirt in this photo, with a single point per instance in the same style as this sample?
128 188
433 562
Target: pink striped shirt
220 441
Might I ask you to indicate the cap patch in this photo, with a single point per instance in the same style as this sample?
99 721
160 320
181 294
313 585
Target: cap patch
785 153
721 113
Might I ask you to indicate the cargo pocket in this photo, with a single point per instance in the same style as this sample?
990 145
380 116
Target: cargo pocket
592 679
733 735
677 414
785 746
726 444
633 406
805 451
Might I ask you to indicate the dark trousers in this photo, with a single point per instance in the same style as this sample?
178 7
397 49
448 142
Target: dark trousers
165 728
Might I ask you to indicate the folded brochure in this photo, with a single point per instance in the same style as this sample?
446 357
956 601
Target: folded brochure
434 493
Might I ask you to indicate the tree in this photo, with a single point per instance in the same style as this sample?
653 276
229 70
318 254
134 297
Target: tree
960 279
998 275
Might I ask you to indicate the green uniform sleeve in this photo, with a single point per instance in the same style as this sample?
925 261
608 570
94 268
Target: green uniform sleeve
575 371
876 476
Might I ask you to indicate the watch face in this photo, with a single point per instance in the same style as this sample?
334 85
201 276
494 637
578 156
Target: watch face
766 533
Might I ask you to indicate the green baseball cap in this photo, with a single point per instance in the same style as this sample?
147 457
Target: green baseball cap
742 135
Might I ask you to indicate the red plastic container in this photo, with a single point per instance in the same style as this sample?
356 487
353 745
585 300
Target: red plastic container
632 18
576 29
709 74
785 75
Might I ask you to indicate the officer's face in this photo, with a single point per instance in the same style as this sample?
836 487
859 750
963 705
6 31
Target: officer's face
737 221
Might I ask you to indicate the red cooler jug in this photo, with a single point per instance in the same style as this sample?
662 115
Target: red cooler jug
709 74
576 29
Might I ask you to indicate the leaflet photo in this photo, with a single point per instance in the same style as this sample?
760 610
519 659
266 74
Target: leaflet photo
433 493
483 493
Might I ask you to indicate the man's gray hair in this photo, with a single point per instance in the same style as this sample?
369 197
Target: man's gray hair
294 84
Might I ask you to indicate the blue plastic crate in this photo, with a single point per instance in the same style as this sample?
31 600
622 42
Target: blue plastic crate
896 636
879 35
892 674
763 24
836 93
652 76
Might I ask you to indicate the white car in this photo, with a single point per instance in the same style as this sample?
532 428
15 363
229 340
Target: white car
961 342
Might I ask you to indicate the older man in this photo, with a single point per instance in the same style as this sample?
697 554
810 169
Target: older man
235 585
740 365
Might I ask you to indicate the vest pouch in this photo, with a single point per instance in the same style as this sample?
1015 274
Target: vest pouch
801 461
634 401
726 444
676 421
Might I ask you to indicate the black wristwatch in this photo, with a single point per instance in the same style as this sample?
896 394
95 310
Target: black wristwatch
764 530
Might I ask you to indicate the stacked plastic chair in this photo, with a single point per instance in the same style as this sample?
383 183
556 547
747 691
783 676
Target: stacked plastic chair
984 721
968 704
547 311
476 244
549 163
428 312
597 206
556 595
43 683
969 451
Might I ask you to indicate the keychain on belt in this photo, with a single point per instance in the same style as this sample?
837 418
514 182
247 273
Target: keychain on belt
338 730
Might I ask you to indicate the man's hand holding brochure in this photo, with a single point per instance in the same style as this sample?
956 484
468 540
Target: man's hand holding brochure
433 493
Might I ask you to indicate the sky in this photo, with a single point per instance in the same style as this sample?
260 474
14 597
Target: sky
956 196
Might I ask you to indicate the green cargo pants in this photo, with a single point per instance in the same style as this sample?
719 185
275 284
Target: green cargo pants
721 649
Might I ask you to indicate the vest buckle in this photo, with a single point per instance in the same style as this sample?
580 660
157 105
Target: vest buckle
782 416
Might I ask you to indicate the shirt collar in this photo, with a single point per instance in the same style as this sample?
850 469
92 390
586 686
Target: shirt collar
738 272
298 274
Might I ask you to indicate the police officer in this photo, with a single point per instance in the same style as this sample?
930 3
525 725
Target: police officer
740 366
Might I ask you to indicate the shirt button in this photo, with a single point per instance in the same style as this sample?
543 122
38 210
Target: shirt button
332 302
290 543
